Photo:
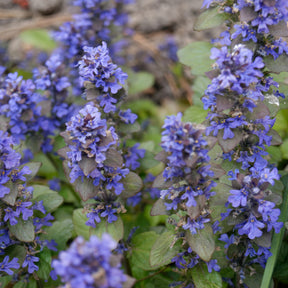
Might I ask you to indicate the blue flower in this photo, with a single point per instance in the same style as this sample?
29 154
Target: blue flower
6 266
251 227
86 264
29 261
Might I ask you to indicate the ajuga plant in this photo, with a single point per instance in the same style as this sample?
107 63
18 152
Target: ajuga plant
90 264
210 203
240 100
22 218
98 21
95 162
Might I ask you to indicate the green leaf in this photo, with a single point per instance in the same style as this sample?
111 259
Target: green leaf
34 167
79 220
278 65
23 230
5 280
139 82
277 238
203 279
115 229
16 251
159 208
141 247
284 149
86 189
51 199
132 185
210 18
194 114
199 86
129 128
44 264
197 56
38 38
60 232
202 243
164 249
11 197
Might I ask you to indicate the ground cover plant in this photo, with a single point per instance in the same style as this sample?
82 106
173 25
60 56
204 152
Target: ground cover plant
100 190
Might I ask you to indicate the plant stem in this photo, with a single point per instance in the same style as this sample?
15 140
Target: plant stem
277 238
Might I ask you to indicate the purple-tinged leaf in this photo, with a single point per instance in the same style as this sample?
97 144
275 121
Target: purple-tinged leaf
113 159
229 144
218 170
87 165
279 30
259 112
224 102
247 14
63 152
212 74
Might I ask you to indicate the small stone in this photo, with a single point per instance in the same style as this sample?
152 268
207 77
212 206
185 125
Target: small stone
45 7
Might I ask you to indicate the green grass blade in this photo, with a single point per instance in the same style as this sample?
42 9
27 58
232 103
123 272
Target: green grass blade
277 238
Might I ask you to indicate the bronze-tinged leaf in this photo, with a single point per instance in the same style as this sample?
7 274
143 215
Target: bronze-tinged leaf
259 112
161 156
86 189
159 208
87 165
212 74
276 138
132 185
224 102
63 152
228 145
217 170
248 14
34 168
161 183
11 197
113 159
202 243
279 30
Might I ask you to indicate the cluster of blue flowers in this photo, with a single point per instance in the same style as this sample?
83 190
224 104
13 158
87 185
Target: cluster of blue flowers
17 206
90 264
190 182
242 123
19 104
93 143
98 21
